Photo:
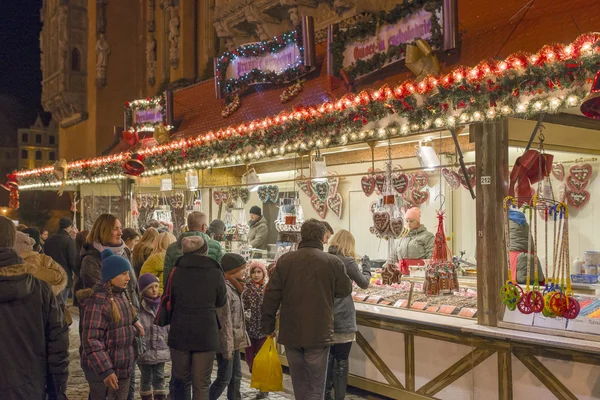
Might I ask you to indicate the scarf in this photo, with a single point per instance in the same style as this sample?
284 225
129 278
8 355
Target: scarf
150 302
118 250
235 283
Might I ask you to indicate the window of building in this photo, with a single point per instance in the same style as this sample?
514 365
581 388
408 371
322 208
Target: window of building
25 138
7 155
52 156
38 138
51 139
24 154
75 60
38 155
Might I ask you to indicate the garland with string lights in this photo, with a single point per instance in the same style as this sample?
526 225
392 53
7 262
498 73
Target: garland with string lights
520 86
277 44
368 27
159 102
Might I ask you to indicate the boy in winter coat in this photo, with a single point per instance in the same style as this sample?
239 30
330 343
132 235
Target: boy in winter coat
152 361
108 332
232 334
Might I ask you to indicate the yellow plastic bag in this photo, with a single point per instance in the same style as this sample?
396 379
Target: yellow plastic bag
267 375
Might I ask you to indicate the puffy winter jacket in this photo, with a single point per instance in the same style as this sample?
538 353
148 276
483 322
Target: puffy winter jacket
34 338
257 235
417 244
155 265
155 337
174 251
47 270
232 334
521 242
107 344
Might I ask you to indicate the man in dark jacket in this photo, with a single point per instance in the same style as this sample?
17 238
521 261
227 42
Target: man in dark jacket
34 339
305 283
62 249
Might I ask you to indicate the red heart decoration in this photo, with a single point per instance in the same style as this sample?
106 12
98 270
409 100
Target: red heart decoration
335 204
421 179
419 196
368 185
451 177
578 199
581 172
471 171
380 182
319 206
558 170
334 182
217 197
305 187
400 183
381 222
574 184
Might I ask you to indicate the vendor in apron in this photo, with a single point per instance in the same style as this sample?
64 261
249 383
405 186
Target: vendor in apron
417 245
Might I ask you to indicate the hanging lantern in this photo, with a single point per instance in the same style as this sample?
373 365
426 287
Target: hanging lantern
134 166
191 179
591 103
14 199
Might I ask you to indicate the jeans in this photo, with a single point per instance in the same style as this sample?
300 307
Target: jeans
191 369
98 391
252 351
153 376
131 394
308 368
229 375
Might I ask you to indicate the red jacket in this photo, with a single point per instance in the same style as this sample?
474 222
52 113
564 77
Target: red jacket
107 345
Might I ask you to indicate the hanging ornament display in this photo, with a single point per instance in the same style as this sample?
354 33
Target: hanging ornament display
320 189
335 204
558 170
334 181
13 201
244 194
420 179
400 182
577 181
367 184
134 167
263 193
304 185
319 206
419 197
231 107
273 192
217 197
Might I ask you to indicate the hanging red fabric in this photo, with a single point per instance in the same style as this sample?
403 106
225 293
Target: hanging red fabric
530 168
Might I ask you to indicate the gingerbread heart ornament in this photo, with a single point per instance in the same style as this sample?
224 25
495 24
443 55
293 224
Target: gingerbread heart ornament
305 187
380 182
578 199
381 222
235 193
217 197
420 196
368 185
396 226
421 179
452 178
334 183
225 196
574 184
320 189
581 172
273 193
471 171
558 170
335 204
263 193
244 194
400 183
319 206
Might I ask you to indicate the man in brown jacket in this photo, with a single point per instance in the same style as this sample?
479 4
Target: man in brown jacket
305 283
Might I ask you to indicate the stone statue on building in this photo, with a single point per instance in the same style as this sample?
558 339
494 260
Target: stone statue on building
102 52
262 34
151 59
294 16
174 37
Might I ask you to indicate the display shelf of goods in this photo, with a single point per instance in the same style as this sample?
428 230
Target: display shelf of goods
520 86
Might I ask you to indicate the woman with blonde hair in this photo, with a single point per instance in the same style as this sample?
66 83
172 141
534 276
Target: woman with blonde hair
155 264
143 250
342 245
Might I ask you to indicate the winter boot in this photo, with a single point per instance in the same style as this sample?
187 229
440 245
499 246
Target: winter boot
329 381
340 379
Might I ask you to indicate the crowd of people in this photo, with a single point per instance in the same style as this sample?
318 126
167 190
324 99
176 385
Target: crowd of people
220 305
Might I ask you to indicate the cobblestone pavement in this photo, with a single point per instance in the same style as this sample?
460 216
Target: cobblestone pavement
78 387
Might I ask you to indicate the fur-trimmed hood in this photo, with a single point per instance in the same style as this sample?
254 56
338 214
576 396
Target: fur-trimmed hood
16 281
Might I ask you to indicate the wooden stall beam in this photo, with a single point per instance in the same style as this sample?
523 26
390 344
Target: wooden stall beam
409 354
456 371
491 161
557 353
505 391
571 120
546 377
377 361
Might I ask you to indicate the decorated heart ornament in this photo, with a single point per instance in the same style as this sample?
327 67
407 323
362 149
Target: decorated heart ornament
320 189
263 193
273 191
319 206
471 171
335 204
305 187
380 182
581 172
574 184
558 170
578 199
244 194
225 196
400 183
419 196
381 221
396 226
334 183
367 184
235 193
421 179
217 197
451 177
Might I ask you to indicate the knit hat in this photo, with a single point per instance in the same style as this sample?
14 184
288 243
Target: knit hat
256 210
192 244
231 261
65 222
146 280
255 264
217 227
33 233
413 213
113 265
23 242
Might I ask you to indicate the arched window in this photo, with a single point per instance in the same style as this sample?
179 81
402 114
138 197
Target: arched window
75 60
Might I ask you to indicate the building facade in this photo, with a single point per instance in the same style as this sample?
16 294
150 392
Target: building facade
37 145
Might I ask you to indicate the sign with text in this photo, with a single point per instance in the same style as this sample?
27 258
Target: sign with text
149 116
268 62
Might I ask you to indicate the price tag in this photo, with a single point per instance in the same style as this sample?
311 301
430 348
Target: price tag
419 305
401 303
359 297
468 312
432 309
373 299
447 310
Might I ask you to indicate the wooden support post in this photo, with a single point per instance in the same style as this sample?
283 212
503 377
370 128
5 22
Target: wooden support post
377 361
505 391
491 160
556 387
409 354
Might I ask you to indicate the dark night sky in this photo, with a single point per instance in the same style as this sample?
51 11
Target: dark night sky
20 73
